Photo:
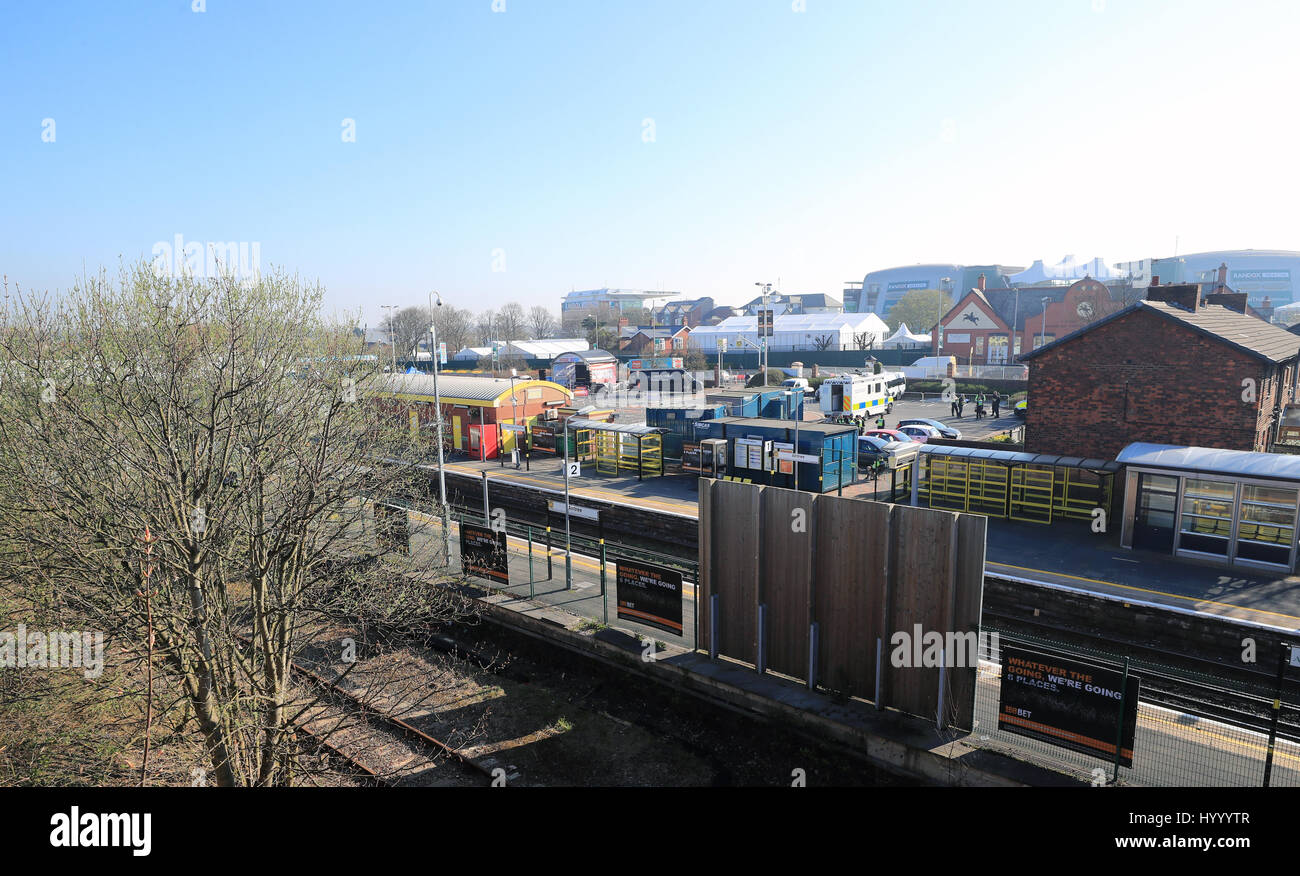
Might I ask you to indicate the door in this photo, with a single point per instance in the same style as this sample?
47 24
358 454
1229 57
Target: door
456 432
1153 520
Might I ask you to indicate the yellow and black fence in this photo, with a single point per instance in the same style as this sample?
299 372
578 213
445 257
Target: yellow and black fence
1030 487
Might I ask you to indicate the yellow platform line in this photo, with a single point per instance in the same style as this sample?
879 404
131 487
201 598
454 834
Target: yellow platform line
1191 599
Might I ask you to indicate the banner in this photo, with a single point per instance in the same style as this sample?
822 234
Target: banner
483 553
650 595
1067 702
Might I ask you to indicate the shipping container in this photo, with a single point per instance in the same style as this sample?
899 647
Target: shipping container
755 444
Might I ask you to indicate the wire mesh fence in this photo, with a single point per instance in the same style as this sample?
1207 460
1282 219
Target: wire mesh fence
1192 729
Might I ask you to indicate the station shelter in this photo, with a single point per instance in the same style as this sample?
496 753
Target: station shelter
618 448
1029 487
1235 507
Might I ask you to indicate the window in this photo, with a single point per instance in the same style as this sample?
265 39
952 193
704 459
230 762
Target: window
1266 529
1207 516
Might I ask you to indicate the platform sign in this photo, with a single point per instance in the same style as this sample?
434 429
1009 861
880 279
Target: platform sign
575 468
650 595
1068 702
781 457
483 553
574 510
442 353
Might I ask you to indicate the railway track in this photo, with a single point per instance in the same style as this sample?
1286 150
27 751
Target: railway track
485 770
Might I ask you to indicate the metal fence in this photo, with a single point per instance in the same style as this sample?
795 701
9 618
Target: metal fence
1193 729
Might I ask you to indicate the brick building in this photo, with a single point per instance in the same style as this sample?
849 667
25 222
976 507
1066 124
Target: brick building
994 326
1166 370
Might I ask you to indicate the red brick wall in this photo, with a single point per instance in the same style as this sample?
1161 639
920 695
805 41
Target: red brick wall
1145 378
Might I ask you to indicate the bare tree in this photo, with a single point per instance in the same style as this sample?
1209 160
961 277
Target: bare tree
236 433
512 324
455 327
407 328
541 322
485 327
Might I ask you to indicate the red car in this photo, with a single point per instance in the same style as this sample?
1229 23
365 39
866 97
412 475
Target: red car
891 435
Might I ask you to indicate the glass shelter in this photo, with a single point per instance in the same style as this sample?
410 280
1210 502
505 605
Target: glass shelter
1232 506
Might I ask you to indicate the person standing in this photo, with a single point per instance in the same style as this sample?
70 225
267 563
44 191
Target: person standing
997 403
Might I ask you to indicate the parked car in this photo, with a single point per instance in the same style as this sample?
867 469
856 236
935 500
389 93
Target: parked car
945 430
872 448
920 432
891 435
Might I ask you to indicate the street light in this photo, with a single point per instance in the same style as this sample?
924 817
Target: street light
938 326
392 337
763 357
1042 337
437 419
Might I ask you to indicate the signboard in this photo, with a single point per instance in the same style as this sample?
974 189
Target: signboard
749 453
651 595
392 529
575 468
659 363
798 457
510 427
691 457
782 463
574 510
483 553
722 345
958 337
765 322
442 353
1067 702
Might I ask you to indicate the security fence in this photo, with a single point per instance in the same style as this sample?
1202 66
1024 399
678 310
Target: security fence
1192 729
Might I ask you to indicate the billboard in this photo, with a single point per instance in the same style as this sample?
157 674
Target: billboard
1068 702
483 553
650 595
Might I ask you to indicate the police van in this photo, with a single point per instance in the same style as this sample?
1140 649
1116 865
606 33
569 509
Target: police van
856 395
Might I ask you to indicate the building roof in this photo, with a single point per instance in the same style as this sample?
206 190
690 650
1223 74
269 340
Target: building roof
598 356
1016 457
625 428
1212 460
771 423
1238 330
459 387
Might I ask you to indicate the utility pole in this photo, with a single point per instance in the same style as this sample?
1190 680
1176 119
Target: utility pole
437 419
568 543
1042 338
392 340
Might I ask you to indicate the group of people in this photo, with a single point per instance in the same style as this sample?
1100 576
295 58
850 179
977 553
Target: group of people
865 424
960 402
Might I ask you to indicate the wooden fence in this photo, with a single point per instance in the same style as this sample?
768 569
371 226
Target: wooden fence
832 577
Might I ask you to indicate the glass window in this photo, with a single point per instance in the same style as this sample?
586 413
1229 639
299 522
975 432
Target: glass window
1207 516
1266 529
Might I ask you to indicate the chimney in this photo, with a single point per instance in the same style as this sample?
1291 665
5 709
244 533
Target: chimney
1183 295
1266 309
1223 274
1231 300
980 282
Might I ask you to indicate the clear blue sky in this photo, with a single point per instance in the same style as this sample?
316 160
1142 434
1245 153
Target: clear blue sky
811 146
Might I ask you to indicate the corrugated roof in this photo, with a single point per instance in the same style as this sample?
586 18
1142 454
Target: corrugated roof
626 428
1212 460
1016 457
1246 333
460 386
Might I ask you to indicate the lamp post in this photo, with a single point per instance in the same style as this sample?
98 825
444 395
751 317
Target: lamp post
392 339
938 325
1015 332
762 350
568 542
1042 337
437 419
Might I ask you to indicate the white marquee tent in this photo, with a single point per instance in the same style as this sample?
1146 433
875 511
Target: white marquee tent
794 332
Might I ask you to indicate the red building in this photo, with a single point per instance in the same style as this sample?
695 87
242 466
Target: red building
474 408
994 326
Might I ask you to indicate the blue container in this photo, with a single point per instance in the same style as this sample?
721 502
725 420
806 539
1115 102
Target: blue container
834 446
739 402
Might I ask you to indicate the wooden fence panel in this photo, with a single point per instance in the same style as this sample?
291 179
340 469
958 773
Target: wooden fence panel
788 539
